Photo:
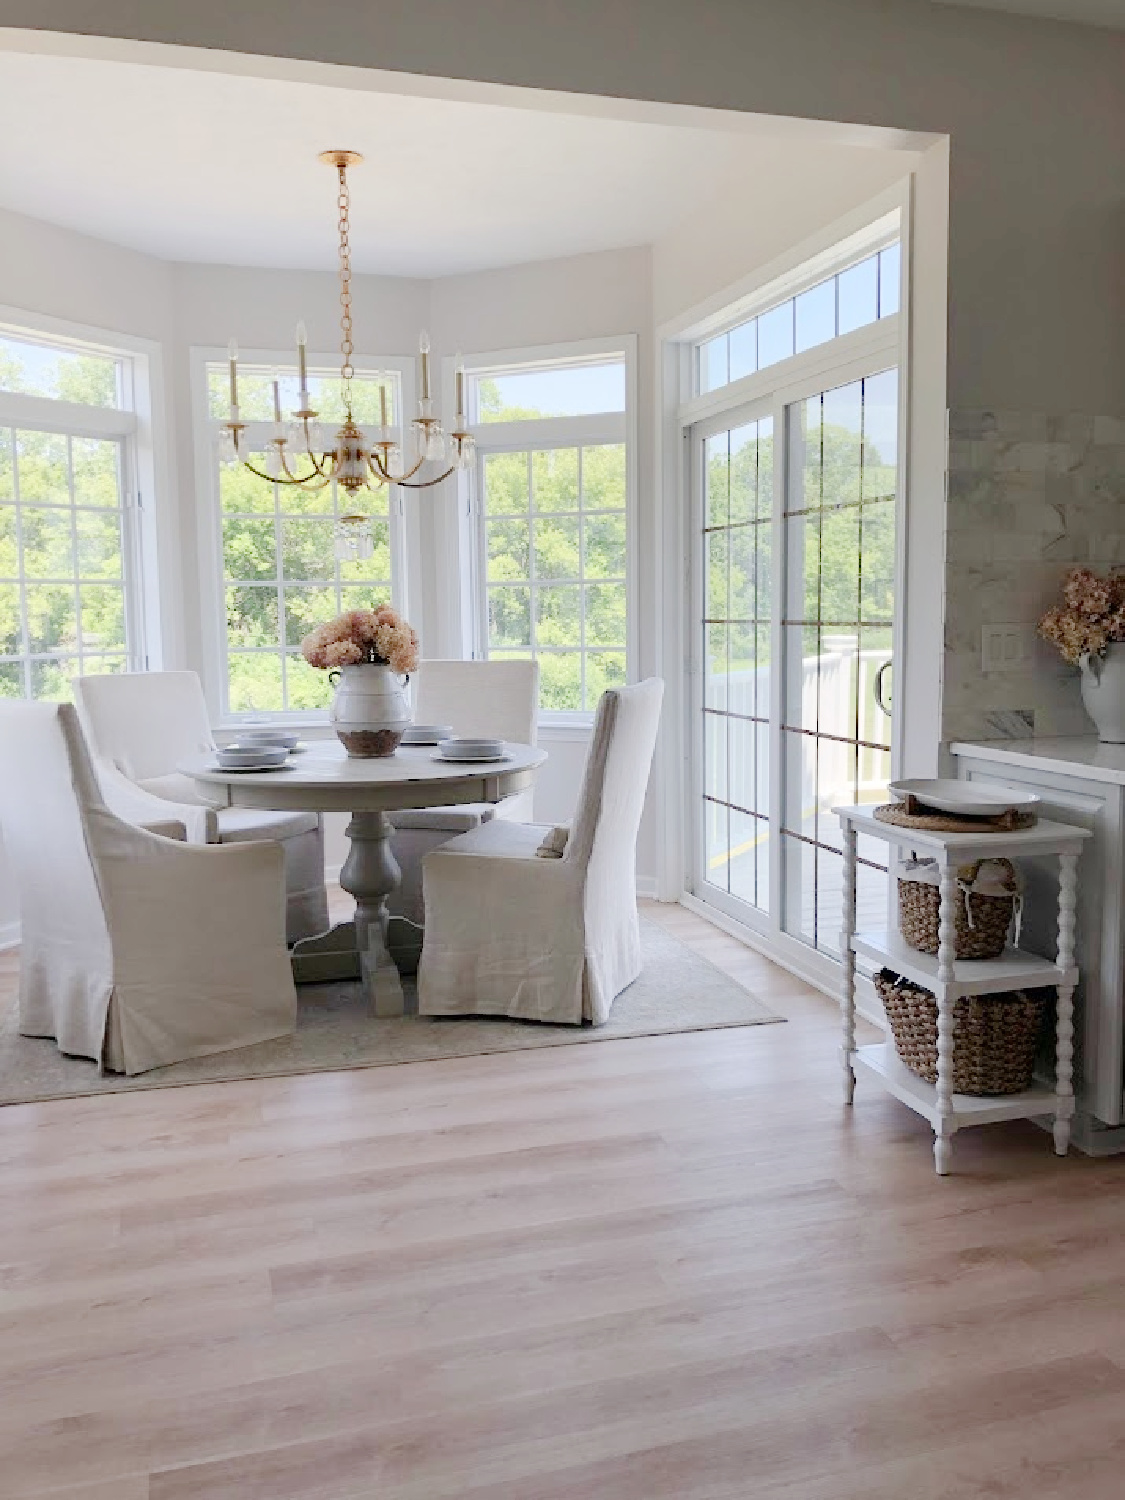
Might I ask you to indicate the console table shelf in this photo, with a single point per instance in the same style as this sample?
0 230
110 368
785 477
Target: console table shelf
948 977
1013 970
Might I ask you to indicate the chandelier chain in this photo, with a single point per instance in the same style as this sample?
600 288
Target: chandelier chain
343 201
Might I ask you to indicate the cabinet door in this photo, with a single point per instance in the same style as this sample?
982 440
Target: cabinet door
1100 1010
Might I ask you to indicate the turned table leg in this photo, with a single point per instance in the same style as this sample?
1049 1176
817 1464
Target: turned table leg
847 962
1064 1029
370 873
358 948
946 955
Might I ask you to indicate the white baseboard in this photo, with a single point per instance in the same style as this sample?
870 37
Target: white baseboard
9 935
647 888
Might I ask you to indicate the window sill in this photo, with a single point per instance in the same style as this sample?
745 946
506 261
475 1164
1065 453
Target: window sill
560 729
311 728
565 727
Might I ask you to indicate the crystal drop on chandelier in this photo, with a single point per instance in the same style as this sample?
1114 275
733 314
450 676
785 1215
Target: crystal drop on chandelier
354 538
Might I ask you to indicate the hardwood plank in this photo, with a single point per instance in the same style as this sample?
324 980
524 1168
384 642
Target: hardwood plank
673 1268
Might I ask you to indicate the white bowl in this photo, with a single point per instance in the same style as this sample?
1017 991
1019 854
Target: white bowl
268 736
242 756
427 734
980 799
459 747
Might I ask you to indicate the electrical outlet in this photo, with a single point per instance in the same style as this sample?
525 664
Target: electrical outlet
1005 648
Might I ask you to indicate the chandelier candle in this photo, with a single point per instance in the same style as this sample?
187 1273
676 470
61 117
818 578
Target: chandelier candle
424 351
232 356
302 367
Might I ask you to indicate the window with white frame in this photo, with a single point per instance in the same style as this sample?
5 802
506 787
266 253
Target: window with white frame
70 586
792 415
853 298
552 507
274 542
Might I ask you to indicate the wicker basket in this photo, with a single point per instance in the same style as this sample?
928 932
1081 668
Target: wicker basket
994 1036
918 904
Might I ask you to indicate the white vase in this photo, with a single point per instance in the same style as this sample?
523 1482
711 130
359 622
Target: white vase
1103 692
369 711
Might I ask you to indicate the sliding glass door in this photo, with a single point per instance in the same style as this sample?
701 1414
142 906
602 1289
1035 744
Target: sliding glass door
838 645
794 561
734 713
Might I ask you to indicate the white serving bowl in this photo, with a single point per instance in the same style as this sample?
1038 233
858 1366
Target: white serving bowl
460 747
268 736
427 734
240 756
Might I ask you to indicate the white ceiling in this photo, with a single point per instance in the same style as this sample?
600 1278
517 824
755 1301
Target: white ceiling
1091 12
209 166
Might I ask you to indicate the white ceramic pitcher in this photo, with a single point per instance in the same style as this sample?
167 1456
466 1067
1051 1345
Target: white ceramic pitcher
1103 692
369 712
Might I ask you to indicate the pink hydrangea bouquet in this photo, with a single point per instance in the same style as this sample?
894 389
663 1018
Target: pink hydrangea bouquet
363 635
1090 618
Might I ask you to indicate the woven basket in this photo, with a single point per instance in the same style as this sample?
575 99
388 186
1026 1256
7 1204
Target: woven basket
994 1036
918 905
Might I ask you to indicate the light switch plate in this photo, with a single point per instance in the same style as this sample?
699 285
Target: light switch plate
1006 648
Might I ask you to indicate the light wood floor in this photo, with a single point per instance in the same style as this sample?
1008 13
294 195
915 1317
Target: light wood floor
670 1268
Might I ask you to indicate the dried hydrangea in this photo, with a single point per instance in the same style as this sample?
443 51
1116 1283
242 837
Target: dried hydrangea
363 635
1087 594
1090 619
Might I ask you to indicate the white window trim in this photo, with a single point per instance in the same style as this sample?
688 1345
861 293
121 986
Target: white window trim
405 550
461 563
849 367
830 250
151 521
818 266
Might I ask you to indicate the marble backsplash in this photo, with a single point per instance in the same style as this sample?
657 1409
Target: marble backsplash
1029 495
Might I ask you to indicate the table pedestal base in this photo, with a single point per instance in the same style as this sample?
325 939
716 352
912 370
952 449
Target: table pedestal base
373 946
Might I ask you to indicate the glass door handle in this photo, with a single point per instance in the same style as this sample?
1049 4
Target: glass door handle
877 688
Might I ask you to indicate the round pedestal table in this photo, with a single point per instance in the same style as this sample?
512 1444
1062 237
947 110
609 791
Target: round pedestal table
324 779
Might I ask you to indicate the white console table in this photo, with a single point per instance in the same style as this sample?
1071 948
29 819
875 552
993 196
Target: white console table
948 977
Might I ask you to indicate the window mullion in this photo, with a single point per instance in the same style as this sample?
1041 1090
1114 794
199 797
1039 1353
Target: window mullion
25 623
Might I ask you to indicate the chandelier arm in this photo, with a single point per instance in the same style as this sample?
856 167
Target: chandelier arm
424 484
278 479
307 481
382 476
385 474
317 463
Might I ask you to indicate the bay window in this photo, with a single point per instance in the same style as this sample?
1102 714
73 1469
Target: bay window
272 545
552 518
71 596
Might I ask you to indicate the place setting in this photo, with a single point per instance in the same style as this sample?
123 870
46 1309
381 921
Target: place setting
258 750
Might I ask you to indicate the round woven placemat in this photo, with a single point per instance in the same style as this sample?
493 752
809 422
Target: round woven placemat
940 822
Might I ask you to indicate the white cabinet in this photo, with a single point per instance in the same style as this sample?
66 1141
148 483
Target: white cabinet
1081 782
948 977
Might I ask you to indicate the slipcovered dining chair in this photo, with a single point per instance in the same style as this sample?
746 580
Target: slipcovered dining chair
499 699
136 950
510 933
140 726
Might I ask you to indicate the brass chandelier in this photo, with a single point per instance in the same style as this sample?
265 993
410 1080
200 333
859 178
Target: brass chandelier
297 454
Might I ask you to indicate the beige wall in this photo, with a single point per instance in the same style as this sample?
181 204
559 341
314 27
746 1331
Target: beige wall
758 220
1035 110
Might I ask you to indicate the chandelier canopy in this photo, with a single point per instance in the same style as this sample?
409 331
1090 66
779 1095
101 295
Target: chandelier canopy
298 454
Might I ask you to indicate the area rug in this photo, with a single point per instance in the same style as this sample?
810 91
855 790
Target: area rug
679 990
